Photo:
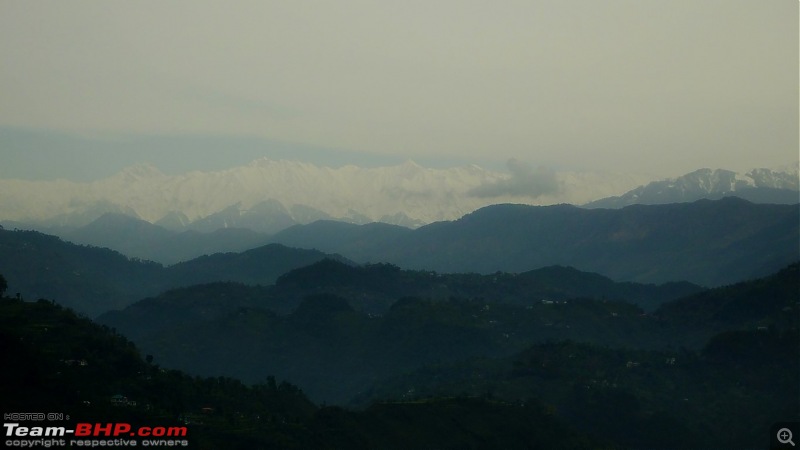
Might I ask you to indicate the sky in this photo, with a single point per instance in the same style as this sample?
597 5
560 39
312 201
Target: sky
644 86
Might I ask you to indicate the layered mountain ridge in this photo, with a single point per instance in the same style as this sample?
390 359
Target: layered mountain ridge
757 185
268 196
265 195
710 243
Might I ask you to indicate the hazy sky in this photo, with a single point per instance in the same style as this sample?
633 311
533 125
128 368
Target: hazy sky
653 86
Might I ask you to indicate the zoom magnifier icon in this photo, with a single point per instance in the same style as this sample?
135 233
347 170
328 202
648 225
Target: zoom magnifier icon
785 436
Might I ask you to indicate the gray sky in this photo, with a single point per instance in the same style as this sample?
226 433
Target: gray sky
662 87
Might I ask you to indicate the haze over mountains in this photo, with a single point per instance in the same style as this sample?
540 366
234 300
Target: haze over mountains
291 192
707 242
450 225
267 196
510 304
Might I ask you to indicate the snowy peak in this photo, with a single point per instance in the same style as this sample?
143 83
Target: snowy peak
174 220
709 181
268 195
767 178
269 216
758 185
287 191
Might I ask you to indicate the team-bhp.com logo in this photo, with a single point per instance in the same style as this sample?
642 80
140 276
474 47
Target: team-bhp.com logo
94 435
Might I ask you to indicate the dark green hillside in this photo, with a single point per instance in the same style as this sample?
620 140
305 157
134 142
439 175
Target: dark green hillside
90 280
94 280
707 242
128 235
260 265
451 423
66 364
357 242
714 369
374 287
336 352
739 376
370 289
725 396
568 282
140 239
772 302
766 302
185 307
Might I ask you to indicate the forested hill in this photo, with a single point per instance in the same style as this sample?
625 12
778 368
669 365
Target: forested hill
429 370
374 287
334 345
726 395
89 279
769 302
94 280
62 363
706 242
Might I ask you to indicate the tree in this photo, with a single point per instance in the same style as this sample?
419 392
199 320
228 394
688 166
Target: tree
3 285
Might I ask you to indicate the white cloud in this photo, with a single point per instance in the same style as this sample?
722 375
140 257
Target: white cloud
523 182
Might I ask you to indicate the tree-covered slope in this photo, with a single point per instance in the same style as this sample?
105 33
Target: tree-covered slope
64 363
726 395
707 242
90 280
337 350
95 280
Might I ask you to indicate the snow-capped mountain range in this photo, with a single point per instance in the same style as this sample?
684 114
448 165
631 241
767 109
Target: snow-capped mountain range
268 195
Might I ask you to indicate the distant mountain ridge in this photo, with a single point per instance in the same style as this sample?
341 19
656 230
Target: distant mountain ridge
375 287
140 239
96 279
93 280
758 185
708 242
268 195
